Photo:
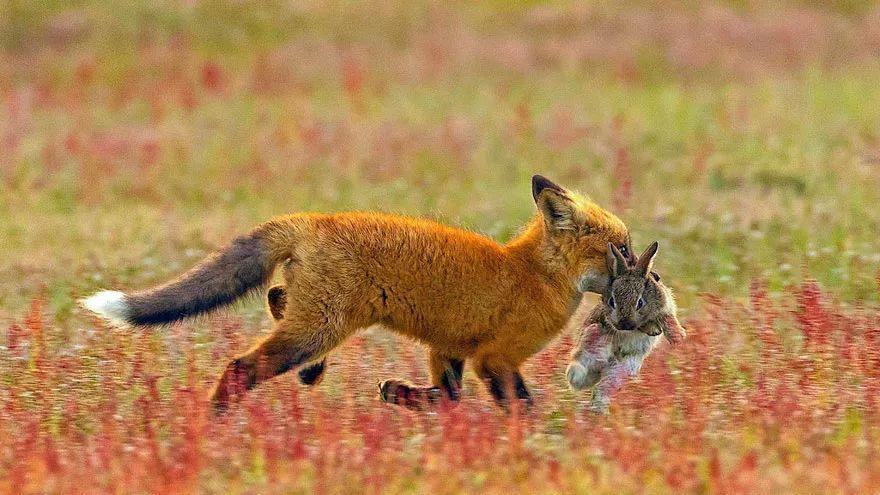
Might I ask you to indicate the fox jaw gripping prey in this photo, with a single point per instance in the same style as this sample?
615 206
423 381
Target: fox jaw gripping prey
624 328
463 295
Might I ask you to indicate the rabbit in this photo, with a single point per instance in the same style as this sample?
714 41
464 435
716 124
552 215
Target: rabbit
624 328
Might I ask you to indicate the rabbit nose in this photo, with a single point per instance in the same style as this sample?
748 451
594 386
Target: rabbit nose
627 324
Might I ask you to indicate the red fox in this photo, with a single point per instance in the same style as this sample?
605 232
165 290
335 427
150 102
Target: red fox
463 295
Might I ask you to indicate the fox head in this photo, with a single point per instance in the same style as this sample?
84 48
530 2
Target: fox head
576 230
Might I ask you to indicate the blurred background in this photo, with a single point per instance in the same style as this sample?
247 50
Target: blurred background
135 136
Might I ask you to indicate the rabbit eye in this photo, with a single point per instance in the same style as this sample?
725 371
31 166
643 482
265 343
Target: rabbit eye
640 303
611 303
624 251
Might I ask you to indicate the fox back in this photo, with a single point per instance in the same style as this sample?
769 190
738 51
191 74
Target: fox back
447 287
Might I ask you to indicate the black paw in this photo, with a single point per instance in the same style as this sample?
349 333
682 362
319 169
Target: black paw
312 374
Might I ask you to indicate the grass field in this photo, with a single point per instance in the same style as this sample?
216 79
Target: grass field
744 136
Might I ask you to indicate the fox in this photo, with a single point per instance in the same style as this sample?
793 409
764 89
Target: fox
622 331
462 295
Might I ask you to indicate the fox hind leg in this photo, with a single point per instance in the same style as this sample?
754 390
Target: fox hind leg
311 374
292 344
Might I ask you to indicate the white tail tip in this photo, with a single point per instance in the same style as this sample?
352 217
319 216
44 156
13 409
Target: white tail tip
108 304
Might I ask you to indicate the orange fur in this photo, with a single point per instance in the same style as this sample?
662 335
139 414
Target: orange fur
461 294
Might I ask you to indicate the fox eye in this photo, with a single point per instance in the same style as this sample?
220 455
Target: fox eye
640 303
611 303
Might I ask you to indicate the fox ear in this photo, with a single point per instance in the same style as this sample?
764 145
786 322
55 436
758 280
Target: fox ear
554 204
541 183
646 260
616 262
594 281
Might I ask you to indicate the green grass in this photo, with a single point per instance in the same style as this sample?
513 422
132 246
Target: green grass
735 181
136 139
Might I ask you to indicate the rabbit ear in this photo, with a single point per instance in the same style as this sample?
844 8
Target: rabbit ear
646 260
631 256
616 262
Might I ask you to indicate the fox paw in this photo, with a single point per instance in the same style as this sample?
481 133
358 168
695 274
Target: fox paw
388 390
312 374
401 394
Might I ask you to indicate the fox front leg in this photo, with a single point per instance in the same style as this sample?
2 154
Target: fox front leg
446 375
503 382
504 386
415 398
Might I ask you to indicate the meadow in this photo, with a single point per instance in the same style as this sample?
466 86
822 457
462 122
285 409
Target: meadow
136 138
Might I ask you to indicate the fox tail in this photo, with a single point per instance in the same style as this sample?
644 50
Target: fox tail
225 276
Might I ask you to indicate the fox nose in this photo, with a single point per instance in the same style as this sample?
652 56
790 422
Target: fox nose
627 324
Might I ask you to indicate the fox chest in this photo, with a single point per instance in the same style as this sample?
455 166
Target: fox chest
525 342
